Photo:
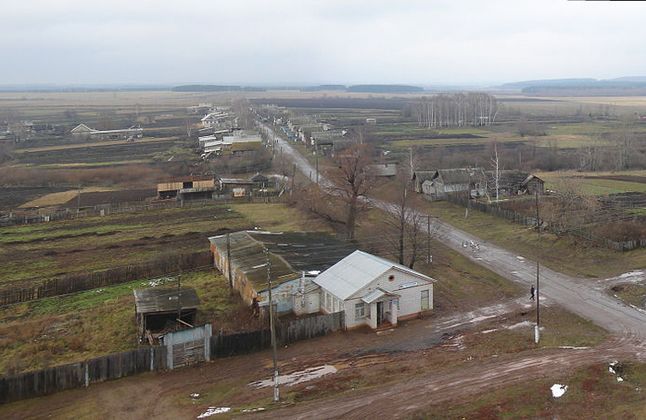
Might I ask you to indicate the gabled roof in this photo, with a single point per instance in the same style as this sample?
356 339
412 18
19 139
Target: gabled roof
357 271
460 175
82 128
422 176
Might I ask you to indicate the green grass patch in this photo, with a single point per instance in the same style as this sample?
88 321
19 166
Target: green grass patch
563 254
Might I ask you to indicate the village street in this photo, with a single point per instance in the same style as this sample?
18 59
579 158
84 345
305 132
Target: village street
576 295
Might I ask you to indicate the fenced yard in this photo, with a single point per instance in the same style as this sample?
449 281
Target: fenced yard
151 359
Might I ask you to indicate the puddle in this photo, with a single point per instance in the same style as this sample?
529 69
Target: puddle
297 377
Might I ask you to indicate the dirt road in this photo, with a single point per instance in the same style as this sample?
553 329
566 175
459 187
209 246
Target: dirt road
576 295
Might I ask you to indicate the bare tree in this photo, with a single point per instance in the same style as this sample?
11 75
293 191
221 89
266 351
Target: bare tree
351 180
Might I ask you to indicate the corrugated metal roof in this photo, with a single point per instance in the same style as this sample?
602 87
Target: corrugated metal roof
156 300
355 272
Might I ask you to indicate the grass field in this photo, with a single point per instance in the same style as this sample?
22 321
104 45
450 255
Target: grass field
89 324
563 254
598 183
96 243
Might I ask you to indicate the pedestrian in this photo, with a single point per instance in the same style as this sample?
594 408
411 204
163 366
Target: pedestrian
531 293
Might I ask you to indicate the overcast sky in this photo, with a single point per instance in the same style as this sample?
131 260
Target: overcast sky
327 41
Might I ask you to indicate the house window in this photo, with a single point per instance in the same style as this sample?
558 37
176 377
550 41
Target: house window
424 300
359 310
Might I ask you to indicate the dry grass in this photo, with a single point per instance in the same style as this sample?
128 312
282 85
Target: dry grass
55 199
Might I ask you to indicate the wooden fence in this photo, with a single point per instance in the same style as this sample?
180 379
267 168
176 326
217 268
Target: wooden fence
522 219
82 374
147 359
76 282
12 219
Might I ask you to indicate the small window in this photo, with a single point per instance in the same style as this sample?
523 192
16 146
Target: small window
424 300
359 310
391 277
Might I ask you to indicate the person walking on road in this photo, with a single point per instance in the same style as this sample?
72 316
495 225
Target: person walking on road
531 293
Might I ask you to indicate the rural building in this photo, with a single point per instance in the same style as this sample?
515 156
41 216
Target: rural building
419 177
370 290
156 310
444 182
187 189
383 170
512 183
235 187
230 145
295 258
84 132
371 121
215 119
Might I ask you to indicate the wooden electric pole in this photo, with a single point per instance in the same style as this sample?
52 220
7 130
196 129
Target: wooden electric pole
179 297
428 239
537 333
272 328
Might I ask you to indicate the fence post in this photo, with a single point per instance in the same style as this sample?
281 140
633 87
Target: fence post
87 375
152 358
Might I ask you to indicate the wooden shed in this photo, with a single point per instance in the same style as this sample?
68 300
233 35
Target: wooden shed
156 309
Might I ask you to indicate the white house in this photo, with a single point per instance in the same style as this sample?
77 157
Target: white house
370 290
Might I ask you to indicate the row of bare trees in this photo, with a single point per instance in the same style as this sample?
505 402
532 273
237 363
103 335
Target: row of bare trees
456 110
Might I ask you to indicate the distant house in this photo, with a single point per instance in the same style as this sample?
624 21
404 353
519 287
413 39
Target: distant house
370 290
371 121
230 145
512 183
295 258
234 187
383 170
214 119
419 177
85 132
188 188
470 181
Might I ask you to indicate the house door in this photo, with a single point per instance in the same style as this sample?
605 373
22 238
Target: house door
380 313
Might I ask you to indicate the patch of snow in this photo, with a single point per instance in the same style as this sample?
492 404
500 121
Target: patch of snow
314 272
519 325
558 390
195 395
253 410
482 318
158 281
488 331
213 411
515 273
620 379
297 377
519 258
612 365
573 348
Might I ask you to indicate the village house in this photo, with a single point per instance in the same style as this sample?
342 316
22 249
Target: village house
84 132
513 183
383 170
371 121
370 290
215 119
445 182
419 177
230 145
295 257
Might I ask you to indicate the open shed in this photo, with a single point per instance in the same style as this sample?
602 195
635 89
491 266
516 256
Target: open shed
156 309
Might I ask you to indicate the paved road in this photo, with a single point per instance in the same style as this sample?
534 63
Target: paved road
577 295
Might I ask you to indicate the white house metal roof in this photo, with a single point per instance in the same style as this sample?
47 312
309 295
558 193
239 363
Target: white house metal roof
376 295
356 271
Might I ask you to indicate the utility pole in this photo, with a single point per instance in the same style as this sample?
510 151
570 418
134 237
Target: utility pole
316 153
537 333
428 239
78 201
229 263
272 328
179 297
